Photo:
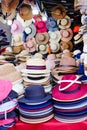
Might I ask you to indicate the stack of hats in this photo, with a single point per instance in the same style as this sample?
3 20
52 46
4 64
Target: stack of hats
36 73
36 105
8 104
70 99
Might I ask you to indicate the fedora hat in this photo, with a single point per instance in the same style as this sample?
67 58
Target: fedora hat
58 12
78 38
69 89
16 27
9 6
25 12
35 66
30 44
64 23
66 45
51 24
54 36
5 88
40 26
42 38
31 94
43 49
66 34
29 32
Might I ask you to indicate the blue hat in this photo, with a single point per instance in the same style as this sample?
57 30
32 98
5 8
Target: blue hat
52 24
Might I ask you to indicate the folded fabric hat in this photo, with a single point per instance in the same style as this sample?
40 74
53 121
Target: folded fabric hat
66 34
54 36
25 12
58 12
35 66
54 47
78 38
16 27
41 26
66 45
51 24
42 38
64 23
35 94
29 32
5 88
69 89
43 49
30 44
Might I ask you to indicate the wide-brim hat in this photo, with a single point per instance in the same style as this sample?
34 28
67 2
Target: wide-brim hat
66 34
78 38
25 12
58 12
51 24
41 26
66 45
55 47
54 36
5 88
9 6
16 27
30 31
31 94
64 23
69 89
35 66
43 49
42 38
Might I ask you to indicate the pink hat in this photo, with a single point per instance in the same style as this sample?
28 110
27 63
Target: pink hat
41 26
16 27
66 34
5 89
69 89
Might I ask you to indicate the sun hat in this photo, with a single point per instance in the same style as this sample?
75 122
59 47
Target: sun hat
29 31
64 23
54 36
40 26
78 38
42 38
9 6
16 27
58 12
54 47
43 49
30 44
51 24
69 89
66 34
34 94
66 45
25 12
5 88
35 66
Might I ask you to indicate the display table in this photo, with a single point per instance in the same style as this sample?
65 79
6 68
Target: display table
50 125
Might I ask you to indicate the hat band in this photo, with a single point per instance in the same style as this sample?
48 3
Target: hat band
68 66
36 67
72 91
35 98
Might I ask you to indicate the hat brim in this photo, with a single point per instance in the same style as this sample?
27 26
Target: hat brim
69 97
32 34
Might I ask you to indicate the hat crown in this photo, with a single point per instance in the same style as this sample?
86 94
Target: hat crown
14 27
53 46
65 33
41 37
34 92
40 24
42 47
53 35
52 23
28 30
58 11
64 22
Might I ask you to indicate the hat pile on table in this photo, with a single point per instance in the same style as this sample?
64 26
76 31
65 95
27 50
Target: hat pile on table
70 99
36 73
36 105
8 103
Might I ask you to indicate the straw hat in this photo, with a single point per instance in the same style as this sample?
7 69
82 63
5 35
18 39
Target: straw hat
54 47
54 36
35 65
66 45
9 6
42 38
66 34
25 12
17 39
43 49
78 38
64 23
16 27
58 12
